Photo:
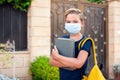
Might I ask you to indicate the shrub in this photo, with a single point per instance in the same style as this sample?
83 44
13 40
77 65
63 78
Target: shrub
42 70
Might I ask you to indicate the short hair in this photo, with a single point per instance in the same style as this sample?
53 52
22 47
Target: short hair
74 11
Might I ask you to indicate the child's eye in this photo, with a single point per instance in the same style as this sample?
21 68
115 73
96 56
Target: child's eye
75 21
67 21
71 21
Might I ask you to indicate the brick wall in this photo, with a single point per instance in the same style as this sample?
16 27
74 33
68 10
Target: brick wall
114 34
20 61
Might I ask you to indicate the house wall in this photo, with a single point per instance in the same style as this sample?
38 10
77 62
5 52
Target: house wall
39 38
39 31
114 34
38 41
39 28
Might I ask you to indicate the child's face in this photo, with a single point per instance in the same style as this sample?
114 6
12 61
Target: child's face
73 23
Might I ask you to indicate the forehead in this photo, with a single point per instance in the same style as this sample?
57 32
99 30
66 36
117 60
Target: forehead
73 17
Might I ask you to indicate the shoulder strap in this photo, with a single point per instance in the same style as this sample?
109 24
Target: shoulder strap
80 43
93 47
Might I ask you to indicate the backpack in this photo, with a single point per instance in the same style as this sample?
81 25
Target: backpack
95 73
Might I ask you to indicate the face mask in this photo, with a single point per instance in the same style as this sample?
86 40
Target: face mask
73 28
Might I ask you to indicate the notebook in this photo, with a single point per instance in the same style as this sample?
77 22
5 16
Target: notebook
65 46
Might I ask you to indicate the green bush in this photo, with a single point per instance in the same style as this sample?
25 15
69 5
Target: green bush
17 4
42 70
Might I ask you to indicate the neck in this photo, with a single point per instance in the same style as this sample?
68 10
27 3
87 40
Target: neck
76 37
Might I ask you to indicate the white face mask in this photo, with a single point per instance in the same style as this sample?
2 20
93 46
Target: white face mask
73 28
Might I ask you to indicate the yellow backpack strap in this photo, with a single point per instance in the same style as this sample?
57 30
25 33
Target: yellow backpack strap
93 47
79 45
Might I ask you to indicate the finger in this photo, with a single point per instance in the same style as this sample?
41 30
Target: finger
53 50
56 49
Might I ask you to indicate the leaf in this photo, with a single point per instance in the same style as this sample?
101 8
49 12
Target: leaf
2 2
18 4
9 1
96 1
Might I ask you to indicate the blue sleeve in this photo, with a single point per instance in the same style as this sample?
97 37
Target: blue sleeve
65 36
87 47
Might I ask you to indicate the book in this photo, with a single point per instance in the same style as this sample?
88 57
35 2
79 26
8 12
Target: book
65 46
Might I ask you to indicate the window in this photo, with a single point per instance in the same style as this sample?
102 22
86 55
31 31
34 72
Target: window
13 26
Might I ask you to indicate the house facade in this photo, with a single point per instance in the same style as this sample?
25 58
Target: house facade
39 32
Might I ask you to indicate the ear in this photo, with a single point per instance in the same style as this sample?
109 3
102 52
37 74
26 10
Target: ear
82 23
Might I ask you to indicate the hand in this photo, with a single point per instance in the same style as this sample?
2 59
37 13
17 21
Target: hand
55 52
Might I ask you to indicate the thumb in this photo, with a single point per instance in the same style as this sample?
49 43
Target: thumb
56 49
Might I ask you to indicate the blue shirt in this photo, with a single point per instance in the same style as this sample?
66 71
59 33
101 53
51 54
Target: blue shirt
78 73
